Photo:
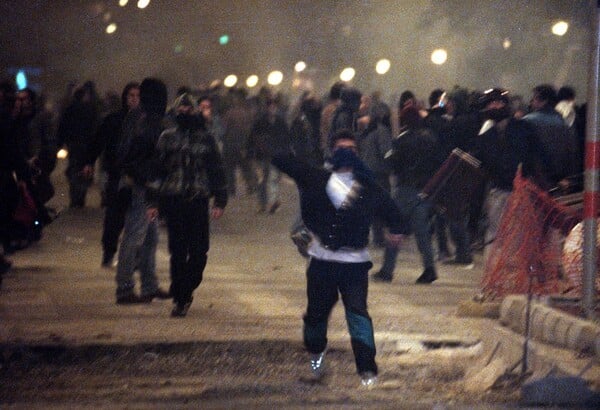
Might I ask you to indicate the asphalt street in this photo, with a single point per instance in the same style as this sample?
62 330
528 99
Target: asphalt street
57 294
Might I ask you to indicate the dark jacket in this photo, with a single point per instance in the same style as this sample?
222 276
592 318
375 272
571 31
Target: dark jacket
190 166
347 226
107 141
268 136
556 151
501 151
374 143
136 155
414 158
76 131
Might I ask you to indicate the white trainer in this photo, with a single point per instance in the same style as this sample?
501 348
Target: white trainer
317 364
368 379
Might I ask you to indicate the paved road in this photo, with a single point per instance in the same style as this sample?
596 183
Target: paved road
253 290
253 285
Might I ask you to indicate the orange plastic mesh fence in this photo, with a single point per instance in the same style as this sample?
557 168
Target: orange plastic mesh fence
533 231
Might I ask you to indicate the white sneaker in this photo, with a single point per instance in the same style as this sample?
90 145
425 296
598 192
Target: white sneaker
368 379
317 364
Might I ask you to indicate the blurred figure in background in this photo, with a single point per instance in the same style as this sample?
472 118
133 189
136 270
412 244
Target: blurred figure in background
373 144
237 126
77 131
269 134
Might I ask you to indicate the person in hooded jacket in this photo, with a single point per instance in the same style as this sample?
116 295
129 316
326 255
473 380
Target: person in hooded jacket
346 114
190 173
137 164
115 201
374 142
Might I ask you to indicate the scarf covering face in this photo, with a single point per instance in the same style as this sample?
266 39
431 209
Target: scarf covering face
344 158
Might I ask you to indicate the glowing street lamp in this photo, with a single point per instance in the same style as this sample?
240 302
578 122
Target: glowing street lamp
252 81
300 66
123 3
142 4
111 28
439 56
560 28
506 43
275 77
347 74
383 66
62 153
230 80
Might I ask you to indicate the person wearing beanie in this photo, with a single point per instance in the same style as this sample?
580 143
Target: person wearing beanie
346 115
503 143
190 173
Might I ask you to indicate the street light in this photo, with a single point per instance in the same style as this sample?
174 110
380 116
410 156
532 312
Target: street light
142 4
252 81
300 66
111 28
439 56
383 66
560 28
123 3
275 77
347 74
230 80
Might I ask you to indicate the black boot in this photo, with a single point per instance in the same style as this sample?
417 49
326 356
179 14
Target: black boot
427 276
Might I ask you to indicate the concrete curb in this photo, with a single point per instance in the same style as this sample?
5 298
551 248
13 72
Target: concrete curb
550 325
503 352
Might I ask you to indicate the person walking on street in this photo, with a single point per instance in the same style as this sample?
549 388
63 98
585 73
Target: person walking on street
114 200
190 173
269 134
136 161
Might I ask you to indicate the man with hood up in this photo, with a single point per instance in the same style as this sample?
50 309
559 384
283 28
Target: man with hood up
190 173
136 162
346 115
115 201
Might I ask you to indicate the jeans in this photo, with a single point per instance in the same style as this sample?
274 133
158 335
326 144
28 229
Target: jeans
232 160
459 232
324 281
268 192
495 203
188 227
417 211
138 248
78 186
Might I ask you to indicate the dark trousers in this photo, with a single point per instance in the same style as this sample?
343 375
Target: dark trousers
116 204
324 281
188 228
78 185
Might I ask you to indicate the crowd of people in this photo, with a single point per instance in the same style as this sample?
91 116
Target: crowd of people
360 165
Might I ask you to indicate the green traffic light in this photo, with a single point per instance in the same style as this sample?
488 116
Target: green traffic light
224 39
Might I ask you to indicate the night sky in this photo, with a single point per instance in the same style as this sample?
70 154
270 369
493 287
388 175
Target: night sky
178 40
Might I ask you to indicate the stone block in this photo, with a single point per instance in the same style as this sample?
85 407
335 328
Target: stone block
472 308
